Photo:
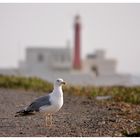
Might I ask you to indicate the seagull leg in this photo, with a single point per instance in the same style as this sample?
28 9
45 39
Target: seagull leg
50 120
46 119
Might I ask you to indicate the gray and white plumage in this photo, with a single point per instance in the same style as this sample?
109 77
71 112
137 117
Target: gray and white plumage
50 103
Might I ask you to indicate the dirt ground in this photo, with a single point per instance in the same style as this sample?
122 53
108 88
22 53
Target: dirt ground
79 116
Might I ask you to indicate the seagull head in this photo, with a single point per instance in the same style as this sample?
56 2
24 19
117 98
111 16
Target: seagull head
59 82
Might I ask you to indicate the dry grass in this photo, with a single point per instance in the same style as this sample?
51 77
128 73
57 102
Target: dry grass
118 93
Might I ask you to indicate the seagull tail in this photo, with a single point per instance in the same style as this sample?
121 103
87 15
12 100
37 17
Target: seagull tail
23 112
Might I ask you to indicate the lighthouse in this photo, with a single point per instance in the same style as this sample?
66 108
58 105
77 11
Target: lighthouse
77 43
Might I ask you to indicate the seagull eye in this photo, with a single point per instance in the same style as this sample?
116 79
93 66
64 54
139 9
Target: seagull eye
57 80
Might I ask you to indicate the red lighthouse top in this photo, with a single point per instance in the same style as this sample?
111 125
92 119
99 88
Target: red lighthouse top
77 19
77 45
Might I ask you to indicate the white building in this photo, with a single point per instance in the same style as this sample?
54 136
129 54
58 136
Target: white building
98 64
46 59
50 63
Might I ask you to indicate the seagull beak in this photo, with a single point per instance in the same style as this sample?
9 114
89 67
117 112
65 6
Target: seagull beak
63 82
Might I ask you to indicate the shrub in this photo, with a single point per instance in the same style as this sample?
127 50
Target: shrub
118 93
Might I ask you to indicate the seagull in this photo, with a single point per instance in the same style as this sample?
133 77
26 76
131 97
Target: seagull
48 104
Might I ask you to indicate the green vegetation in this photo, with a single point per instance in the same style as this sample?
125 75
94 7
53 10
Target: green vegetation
31 83
119 93
134 134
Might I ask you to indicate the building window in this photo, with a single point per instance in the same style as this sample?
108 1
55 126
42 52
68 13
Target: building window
95 70
40 58
91 56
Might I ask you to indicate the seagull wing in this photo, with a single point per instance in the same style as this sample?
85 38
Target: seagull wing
42 101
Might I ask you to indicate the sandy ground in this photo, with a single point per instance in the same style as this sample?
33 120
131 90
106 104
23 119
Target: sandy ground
79 116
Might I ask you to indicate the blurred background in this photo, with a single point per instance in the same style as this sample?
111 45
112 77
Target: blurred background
85 44
94 47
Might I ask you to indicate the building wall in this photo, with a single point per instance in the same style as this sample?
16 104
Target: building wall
48 59
50 64
41 60
99 65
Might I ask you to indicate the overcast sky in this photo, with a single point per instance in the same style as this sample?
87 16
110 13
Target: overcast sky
113 27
